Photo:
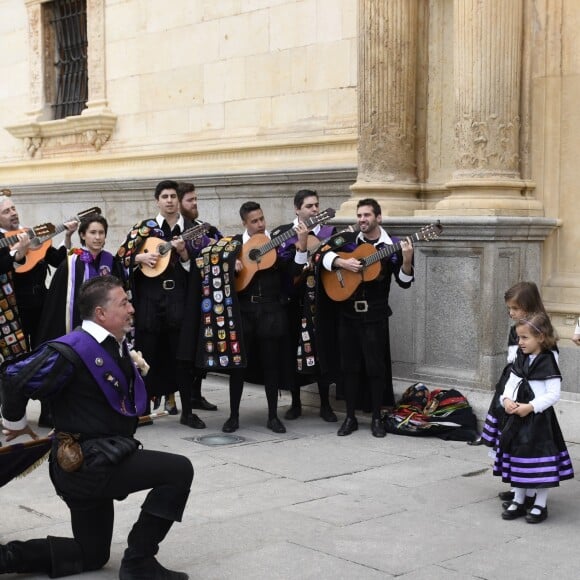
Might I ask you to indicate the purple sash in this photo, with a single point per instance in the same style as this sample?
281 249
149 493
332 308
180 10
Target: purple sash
107 374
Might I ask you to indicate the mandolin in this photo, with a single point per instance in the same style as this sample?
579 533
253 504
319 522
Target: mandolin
40 243
259 252
163 248
342 284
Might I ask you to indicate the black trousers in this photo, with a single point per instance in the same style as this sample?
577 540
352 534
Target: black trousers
363 352
263 332
167 475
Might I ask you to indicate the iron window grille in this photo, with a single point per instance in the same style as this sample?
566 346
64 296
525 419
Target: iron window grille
69 22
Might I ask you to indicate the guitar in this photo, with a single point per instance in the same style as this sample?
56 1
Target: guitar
259 252
40 243
163 248
341 284
11 238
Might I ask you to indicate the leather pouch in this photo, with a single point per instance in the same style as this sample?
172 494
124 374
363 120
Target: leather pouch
69 454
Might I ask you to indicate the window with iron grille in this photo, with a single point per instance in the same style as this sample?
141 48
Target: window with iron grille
68 21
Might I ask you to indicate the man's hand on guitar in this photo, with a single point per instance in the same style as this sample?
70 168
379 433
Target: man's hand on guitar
407 249
147 259
350 264
70 228
13 433
302 231
21 247
178 244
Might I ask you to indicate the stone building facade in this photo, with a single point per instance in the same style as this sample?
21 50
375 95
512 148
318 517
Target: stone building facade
462 111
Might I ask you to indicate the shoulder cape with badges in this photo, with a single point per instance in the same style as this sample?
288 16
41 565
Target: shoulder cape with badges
220 344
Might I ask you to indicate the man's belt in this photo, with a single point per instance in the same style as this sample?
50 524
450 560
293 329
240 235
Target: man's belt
260 299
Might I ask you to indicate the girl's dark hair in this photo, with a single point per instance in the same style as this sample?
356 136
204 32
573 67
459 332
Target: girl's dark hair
540 323
527 296
85 223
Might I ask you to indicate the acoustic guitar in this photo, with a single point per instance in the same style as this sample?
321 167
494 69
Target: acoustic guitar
259 252
341 284
40 243
163 248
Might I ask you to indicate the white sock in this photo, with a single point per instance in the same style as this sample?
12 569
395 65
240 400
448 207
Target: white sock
541 500
519 496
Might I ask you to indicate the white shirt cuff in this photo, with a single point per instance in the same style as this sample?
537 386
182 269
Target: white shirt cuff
301 257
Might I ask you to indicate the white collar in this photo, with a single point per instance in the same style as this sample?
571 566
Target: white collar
180 221
383 239
98 332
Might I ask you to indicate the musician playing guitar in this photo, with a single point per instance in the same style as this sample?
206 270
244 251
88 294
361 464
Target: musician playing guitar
363 334
29 288
264 319
304 363
159 301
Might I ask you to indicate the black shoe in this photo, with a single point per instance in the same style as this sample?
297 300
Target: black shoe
478 441
276 425
148 569
328 415
155 402
528 502
231 425
536 519
349 425
192 421
520 511
378 429
506 495
203 404
293 413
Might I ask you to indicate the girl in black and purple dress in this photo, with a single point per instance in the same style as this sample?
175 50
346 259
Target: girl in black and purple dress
531 453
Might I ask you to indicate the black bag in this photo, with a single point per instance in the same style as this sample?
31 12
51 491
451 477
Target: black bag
108 450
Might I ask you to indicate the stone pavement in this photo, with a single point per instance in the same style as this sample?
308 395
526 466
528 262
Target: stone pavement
310 505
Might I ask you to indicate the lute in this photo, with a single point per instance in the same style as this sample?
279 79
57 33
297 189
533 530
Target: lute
163 248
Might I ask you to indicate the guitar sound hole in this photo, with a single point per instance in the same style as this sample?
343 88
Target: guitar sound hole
254 254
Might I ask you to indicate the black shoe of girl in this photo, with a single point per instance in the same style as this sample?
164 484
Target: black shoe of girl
537 518
512 514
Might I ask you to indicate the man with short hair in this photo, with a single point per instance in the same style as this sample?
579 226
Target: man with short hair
96 395
188 206
29 288
304 329
160 296
264 316
363 333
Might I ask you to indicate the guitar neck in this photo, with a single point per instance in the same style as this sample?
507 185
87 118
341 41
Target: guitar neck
387 251
189 234
291 232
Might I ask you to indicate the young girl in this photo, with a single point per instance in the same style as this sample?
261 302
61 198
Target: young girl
532 454
521 300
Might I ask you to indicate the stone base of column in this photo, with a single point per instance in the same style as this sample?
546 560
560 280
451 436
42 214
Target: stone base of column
488 197
395 199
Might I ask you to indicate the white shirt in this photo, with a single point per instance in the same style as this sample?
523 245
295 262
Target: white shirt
546 392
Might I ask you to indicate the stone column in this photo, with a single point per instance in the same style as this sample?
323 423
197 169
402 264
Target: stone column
387 71
488 79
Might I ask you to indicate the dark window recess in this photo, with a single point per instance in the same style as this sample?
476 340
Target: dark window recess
70 29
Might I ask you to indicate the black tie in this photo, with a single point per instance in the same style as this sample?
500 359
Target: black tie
112 347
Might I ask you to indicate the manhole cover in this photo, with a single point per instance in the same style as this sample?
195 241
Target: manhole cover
218 439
